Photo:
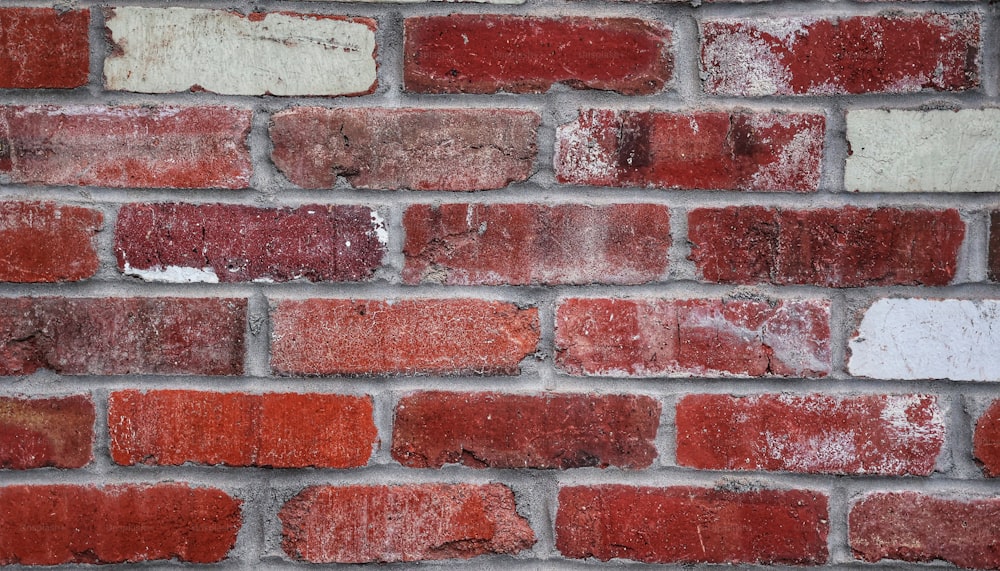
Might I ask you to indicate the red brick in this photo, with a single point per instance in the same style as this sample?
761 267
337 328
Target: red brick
892 435
371 337
419 149
693 337
44 48
238 429
122 336
738 150
528 244
859 54
842 247
986 442
362 524
35 433
232 243
490 430
125 147
49 525
67 233
467 53
916 527
692 525
994 246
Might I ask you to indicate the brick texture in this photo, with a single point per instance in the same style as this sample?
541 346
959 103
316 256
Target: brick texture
44 48
57 431
67 233
986 440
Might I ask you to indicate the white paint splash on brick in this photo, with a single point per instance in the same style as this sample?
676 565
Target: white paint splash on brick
579 156
174 274
741 64
378 228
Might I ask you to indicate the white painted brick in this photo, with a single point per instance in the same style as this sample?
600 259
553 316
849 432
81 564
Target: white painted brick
923 151
164 50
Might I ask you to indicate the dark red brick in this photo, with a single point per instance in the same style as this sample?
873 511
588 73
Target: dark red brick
994 246
67 233
35 433
986 442
44 48
491 430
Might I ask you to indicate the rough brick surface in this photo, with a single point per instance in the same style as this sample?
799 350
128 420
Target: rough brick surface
136 147
696 337
360 337
43 48
419 149
699 150
360 524
238 429
994 246
689 525
870 434
57 431
859 54
231 243
986 441
122 336
67 233
490 430
916 527
49 525
467 53
523 244
843 247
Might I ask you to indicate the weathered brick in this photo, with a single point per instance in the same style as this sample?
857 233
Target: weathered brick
134 147
57 431
994 246
372 337
870 434
857 54
43 48
67 233
238 429
738 150
470 53
692 525
165 50
49 525
693 337
122 336
419 149
830 247
527 244
491 430
231 243
362 524
986 441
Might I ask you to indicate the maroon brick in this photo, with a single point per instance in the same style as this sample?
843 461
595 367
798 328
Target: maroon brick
130 147
35 433
363 524
419 149
490 430
122 336
986 442
467 53
842 247
692 525
994 246
698 337
49 525
528 244
739 150
44 48
67 233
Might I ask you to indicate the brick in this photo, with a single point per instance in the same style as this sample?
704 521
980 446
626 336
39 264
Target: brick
122 336
372 337
692 525
850 55
900 150
954 339
829 247
41 432
366 524
231 243
172 427
986 440
491 430
530 244
167 50
993 270
892 435
419 149
469 53
44 48
67 233
915 527
739 150
125 147
49 525
693 337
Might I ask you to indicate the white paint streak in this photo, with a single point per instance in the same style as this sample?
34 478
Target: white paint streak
174 274
378 228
